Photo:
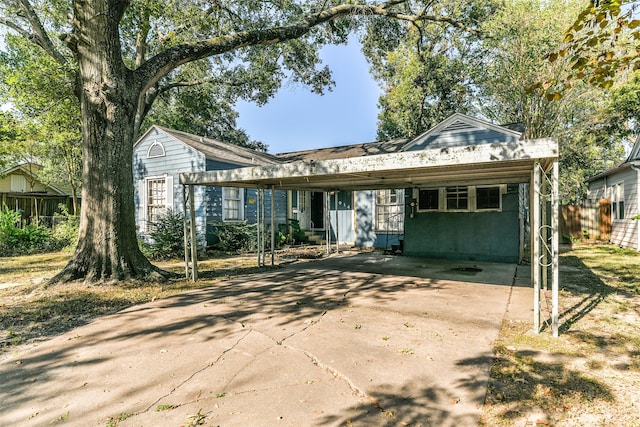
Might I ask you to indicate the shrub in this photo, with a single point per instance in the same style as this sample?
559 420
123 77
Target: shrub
65 234
236 237
16 241
166 237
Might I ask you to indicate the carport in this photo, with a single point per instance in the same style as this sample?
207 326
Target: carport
533 162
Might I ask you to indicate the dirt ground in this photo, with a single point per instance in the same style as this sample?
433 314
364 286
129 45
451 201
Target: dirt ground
589 376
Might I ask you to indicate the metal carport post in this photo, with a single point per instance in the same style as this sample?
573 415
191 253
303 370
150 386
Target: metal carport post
544 197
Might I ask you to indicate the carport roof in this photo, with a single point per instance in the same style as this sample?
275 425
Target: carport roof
484 164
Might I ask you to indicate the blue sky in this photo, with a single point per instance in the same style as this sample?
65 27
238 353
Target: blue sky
296 119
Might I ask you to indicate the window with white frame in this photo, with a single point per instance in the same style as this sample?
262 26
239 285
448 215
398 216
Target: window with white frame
232 204
156 199
461 198
428 199
390 210
487 198
156 149
457 198
617 201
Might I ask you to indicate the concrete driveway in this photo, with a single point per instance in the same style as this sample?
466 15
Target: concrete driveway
354 339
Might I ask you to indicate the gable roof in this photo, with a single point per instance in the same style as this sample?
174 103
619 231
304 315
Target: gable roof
31 170
345 151
635 151
461 130
216 150
632 160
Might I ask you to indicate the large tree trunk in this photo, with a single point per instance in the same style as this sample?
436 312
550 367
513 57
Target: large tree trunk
107 248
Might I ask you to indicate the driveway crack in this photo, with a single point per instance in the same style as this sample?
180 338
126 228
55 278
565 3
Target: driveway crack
193 374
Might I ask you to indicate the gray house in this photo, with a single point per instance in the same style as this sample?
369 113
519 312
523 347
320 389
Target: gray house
479 219
620 186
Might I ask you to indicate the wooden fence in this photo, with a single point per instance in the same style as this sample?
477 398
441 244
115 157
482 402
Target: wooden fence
590 220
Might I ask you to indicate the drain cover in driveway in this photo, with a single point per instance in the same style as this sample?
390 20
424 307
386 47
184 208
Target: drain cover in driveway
467 271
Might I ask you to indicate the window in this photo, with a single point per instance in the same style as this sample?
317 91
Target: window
156 149
617 201
232 204
487 198
457 198
428 199
156 199
390 210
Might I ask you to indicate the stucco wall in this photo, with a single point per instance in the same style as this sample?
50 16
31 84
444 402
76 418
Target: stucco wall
481 236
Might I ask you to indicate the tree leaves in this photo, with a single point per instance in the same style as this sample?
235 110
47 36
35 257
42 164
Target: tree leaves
602 43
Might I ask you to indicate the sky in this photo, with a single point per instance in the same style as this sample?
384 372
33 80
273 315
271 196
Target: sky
297 119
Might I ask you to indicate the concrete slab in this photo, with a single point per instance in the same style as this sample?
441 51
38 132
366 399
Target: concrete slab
362 339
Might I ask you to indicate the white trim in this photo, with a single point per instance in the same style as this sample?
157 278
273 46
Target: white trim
156 143
440 207
170 192
240 203
472 199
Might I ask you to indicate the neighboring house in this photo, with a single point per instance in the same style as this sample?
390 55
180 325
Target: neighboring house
22 190
483 221
161 154
620 187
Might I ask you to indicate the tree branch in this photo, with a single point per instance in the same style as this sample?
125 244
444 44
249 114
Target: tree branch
163 63
39 35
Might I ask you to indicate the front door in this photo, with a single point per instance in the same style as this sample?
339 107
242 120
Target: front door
317 210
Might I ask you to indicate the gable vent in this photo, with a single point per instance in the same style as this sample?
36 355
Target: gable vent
156 150
458 126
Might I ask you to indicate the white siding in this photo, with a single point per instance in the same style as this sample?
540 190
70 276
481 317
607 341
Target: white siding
624 232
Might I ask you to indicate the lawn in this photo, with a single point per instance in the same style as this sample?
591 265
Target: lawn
31 312
588 376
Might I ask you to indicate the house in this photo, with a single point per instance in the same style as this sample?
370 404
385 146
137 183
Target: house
161 154
21 189
478 218
467 190
620 187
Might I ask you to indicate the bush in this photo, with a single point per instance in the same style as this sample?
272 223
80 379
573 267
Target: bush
65 234
236 237
17 241
166 237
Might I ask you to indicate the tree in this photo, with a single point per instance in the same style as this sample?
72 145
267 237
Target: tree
622 114
204 108
518 37
41 94
123 52
426 68
602 43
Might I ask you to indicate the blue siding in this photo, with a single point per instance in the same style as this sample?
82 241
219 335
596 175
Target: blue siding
178 158
461 139
366 234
